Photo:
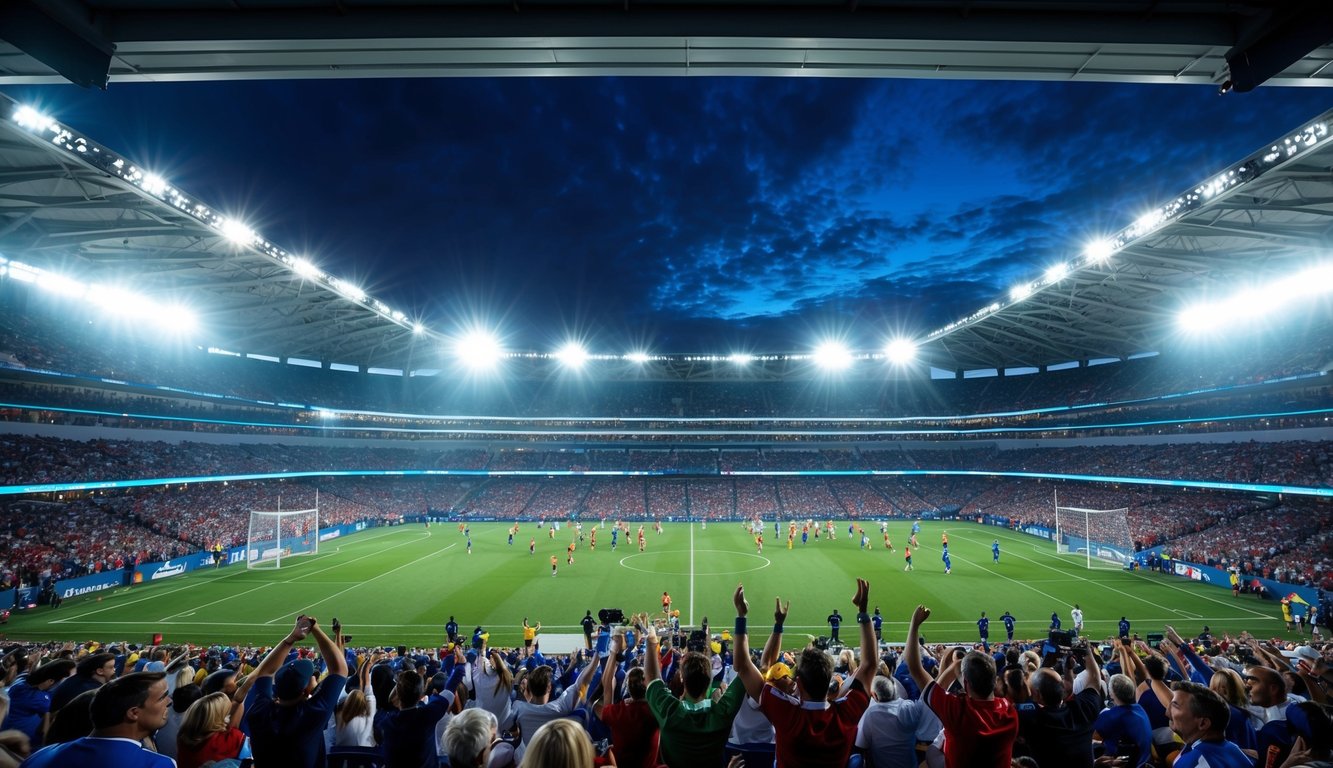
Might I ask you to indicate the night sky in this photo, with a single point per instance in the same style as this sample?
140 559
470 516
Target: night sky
682 214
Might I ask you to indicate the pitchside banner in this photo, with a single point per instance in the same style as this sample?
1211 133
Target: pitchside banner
174 567
83 585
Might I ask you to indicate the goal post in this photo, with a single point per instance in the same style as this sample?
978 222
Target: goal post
277 535
1102 536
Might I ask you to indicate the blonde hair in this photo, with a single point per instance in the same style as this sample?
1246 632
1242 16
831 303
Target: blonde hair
204 718
355 705
1227 683
559 744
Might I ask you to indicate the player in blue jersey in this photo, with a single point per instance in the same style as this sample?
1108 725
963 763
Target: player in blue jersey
1055 621
1008 626
1124 627
995 551
983 629
948 563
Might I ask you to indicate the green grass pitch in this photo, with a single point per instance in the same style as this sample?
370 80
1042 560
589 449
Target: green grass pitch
399 585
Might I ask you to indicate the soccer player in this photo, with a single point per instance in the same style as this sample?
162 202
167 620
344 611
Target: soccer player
666 603
916 527
1008 626
834 623
1055 621
948 563
983 629
759 543
907 553
592 542
469 545
913 543
1077 616
1124 627
791 540
944 539
877 621
532 546
995 551
554 563
641 540
888 543
615 534
805 535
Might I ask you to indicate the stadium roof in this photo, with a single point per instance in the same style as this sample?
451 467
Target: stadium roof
90 42
74 208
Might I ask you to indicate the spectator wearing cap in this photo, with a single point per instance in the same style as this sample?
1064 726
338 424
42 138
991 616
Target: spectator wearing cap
634 732
286 712
92 672
535 708
811 730
891 727
407 731
1199 716
978 727
1310 668
125 711
30 700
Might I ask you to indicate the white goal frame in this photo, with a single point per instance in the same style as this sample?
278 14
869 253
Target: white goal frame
269 550
1119 552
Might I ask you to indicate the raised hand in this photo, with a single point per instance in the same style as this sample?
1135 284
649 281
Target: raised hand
862 598
920 615
742 606
780 610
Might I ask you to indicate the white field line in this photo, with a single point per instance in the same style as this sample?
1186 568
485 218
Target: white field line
690 617
1135 597
159 595
327 598
294 581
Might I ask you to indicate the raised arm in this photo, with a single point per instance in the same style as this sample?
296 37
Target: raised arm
652 661
773 647
609 674
950 666
745 669
278 654
865 671
333 656
912 653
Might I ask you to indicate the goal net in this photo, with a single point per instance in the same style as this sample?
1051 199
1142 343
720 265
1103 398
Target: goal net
1101 536
276 536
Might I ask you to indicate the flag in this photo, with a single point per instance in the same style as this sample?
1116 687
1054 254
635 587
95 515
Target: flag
1295 598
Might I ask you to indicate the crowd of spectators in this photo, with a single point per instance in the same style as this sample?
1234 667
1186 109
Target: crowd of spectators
31 460
649 692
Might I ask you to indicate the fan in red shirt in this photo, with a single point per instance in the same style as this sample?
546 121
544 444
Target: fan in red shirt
811 732
634 733
979 728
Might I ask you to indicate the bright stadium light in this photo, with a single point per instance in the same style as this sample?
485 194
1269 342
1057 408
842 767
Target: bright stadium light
304 268
31 119
479 350
237 232
572 355
1020 291
1057 272
833 355
1257 302
1098 251
740 358
900 351
418 328
637 357
154 184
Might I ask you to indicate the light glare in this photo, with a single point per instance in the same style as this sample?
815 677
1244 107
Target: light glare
833 355
1098 251
901 351
478 350
237 232
572 355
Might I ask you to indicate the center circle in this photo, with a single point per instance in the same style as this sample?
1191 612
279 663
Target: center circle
709 563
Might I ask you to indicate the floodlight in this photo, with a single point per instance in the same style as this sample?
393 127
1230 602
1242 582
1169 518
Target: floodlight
1057 272
740 358
304 268
1257 301
1098 251
1020 291
637 357
62 285
154 184
478 349
30 118
349 290
418 328
901 351
833 355
180 319
572 355
237 232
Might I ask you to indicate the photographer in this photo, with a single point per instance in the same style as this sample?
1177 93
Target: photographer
1052 730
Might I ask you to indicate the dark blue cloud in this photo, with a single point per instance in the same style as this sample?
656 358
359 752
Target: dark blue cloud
685 214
